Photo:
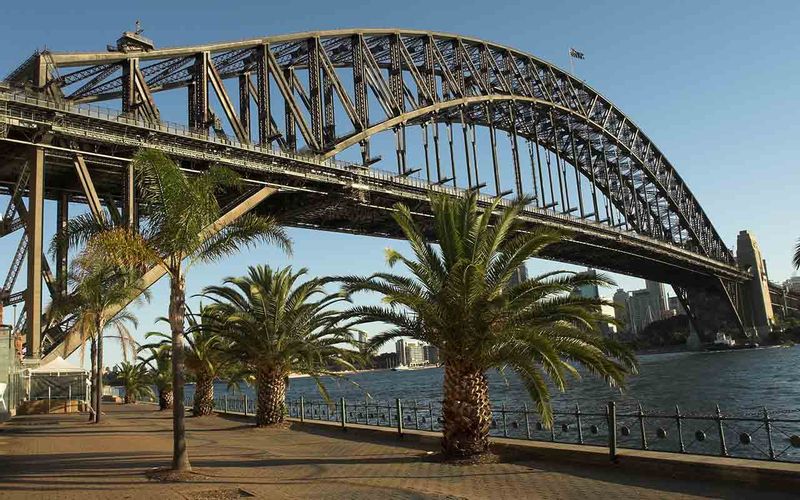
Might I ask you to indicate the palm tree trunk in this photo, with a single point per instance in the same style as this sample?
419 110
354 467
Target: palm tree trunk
203 396
93 375
271 397
177 311
98 389
165 399
467 412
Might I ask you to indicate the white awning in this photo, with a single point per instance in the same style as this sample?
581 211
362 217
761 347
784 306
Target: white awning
57 366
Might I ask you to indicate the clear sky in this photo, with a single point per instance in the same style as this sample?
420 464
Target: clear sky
713 84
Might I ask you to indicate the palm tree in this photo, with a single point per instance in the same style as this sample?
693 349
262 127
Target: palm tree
160 364
176 212
460 299
796 259
205 358
276 325
97 288
136 381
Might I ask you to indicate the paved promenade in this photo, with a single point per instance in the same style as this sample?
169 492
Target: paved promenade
63 457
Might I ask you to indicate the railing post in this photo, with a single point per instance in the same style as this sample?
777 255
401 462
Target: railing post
612 431
416 416
527 422
505 422
344 415
679 424
768 427
244 403
578 421
399 417
430 413
723 449
641 427
302 409
226 403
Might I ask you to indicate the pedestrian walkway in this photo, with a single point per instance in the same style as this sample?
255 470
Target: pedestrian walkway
62 456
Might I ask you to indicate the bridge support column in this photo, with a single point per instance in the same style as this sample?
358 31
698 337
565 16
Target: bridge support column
756 304
693 341
35 221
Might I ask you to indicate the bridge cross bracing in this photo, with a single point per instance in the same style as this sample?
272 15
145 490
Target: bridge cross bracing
280 110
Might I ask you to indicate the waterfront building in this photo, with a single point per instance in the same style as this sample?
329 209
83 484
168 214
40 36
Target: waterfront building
675 305
415 354
793 284
431 355
520 275
588 291
658 298
608 329
409 353
620 299
640 310
400 349
593 292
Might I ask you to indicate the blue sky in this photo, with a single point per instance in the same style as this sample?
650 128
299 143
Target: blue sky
712 83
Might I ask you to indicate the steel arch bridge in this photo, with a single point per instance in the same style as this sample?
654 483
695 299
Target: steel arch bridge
454 114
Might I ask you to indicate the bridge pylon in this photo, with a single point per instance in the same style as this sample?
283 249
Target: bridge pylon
756 310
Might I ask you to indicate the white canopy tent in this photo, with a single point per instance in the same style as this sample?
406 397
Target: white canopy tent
58 379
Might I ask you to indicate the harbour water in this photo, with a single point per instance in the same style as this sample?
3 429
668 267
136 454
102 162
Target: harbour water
741 382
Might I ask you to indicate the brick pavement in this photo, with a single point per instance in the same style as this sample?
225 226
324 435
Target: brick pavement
62 456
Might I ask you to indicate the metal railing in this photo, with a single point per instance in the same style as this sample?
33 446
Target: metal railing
754 434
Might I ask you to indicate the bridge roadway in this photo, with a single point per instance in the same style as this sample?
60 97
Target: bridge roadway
313 193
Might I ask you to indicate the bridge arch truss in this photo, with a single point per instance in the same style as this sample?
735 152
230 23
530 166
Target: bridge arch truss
325 92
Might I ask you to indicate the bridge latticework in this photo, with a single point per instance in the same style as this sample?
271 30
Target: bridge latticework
439 111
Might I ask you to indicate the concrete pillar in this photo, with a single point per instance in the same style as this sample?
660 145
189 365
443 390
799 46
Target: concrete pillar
756 304
693 342
35 223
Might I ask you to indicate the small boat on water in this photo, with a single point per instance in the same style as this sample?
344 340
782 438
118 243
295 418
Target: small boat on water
724 342
400 368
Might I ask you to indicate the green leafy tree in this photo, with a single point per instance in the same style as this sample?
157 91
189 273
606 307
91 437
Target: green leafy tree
136 381
159 361
98 291
277 325
176 230
460 299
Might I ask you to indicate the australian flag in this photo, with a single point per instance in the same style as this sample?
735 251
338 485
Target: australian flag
574 53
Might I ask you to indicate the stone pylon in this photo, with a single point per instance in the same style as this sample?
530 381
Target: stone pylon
756 304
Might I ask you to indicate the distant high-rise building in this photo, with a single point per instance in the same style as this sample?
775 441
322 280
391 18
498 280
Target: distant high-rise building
608 329
588 291
431 355
362 337
658 298
640 310
621 298
675 304
409 353
400 349
520 275
415 354
793 284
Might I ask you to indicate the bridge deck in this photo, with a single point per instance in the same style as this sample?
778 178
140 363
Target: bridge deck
318 194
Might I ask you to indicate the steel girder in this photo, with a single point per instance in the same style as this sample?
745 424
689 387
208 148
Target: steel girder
416 78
